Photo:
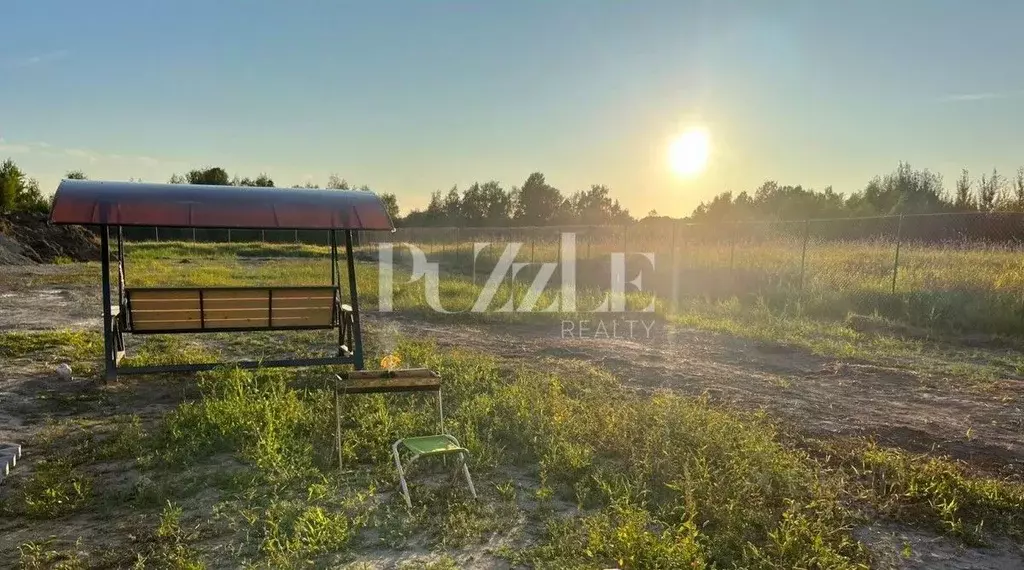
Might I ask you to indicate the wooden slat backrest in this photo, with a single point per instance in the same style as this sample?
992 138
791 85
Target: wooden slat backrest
303 307
154 310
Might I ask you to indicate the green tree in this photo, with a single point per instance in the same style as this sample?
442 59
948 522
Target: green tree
988 188
497 204
75 175
390 205
261 181
963 201
335 182
432 216
215 176
472 206
452 208
596 207
537 203
18 193
905 191
1018 189
11 179
31 198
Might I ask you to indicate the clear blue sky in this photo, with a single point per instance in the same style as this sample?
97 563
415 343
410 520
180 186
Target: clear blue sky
412 96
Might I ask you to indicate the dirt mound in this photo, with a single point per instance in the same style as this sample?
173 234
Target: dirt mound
28 238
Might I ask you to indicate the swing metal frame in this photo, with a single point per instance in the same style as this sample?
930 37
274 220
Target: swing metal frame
111 206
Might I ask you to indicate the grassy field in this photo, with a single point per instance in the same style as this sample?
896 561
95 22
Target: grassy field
574 471
940 290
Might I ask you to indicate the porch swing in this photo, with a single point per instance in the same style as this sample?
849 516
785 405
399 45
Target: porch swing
179 310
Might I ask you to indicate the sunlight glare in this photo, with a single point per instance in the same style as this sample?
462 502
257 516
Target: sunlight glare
688 154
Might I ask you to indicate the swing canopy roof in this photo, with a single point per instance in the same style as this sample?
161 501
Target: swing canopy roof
92 202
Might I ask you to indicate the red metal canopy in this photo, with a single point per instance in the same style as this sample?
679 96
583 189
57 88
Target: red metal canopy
92 202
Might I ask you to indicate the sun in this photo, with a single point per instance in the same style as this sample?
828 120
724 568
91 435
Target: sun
688 153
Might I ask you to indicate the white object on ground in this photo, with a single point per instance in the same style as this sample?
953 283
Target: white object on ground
9 455
64 372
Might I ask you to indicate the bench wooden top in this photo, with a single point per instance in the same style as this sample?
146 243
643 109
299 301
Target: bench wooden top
375 381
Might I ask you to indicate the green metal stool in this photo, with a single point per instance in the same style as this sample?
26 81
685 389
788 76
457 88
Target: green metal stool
409 380
430 446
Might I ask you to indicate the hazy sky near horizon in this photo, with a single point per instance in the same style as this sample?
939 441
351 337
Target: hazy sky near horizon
414 96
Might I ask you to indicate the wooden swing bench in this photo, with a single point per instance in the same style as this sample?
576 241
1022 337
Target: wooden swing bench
182 310
178 310
223 309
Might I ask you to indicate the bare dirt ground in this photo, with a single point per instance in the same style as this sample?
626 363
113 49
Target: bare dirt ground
816 395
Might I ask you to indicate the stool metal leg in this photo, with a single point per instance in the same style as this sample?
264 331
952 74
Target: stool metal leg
401 473
337 423
465 471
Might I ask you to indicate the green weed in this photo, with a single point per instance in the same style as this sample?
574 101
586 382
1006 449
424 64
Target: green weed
43 554
56 489
938 492
73 345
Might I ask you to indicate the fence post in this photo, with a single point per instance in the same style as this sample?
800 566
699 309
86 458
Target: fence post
803 253
296 236
533 245
624 242
458 247
156 231
558 253
896 260
512 295
229 235
193 235
675 271
732 248
263 236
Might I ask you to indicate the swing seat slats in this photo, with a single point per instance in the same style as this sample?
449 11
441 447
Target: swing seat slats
220 309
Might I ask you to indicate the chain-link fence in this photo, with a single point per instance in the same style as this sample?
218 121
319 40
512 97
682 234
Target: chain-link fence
960 271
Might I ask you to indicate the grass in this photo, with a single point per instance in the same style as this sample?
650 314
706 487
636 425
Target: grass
975 288
946 289
602 476
950 289
954 289
921 488
796 322
59 484
928 491
574 430
871 339
574 471
75 347
68 344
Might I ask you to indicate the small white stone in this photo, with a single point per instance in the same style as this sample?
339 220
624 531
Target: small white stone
64 372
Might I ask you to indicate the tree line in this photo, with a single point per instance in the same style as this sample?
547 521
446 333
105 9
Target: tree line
18 192
905 190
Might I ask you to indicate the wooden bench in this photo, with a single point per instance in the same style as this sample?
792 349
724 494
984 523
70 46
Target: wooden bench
221 309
